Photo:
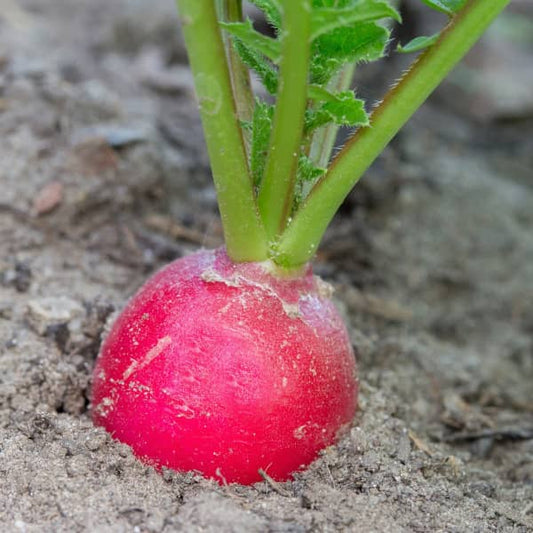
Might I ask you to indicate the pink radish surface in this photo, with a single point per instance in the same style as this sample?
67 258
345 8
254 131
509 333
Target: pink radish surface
226 369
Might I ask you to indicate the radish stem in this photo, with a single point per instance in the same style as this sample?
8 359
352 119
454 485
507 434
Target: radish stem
277 188
231 11
243 231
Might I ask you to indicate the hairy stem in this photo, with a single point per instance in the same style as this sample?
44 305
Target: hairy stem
277 187
243 229
300 240
240 75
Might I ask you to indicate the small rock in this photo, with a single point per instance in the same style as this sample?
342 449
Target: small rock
482 487
48 198
93 156
11 343
95 441
482 447
115 135
45 312
70 446
134 515
60 334
78 466
6 310
370 461
18 277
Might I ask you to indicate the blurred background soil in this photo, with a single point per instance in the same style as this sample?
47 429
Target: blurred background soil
104 178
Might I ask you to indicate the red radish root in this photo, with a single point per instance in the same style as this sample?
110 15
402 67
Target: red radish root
227 369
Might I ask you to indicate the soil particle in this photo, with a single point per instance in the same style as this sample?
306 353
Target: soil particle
45 312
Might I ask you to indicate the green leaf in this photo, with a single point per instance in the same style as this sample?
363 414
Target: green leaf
306 176
320 94
258 42
307 171
343 109
261 127
346 110
327 19
272 11
359 42
332 3
257 62
449 7
417 44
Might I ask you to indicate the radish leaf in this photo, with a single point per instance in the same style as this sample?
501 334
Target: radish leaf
307 171
342 109
355 43
327 19
341 32
267 73
449 7
272 11
418 43
261 126
307 175
256 41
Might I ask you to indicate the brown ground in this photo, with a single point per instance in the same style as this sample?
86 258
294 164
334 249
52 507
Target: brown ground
104 178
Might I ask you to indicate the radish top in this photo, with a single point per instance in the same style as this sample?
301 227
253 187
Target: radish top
270 155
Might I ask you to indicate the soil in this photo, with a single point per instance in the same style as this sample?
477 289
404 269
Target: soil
104 179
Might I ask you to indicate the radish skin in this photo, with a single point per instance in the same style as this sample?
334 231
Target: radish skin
227 368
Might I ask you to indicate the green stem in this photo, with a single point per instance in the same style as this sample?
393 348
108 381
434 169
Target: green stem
277 187
240 75
243 230
300 240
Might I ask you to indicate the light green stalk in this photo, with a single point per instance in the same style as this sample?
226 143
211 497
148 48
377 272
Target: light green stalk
231 11
243 230
277 187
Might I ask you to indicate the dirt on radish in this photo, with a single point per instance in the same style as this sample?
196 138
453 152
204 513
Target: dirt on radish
104 179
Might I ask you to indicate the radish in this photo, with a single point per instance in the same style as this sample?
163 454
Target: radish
235 362
238 370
